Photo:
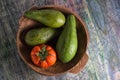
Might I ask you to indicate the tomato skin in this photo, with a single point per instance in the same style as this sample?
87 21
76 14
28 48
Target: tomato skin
43 56
44 64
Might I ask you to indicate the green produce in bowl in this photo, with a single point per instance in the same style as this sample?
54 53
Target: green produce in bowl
49 17
67 43
40 35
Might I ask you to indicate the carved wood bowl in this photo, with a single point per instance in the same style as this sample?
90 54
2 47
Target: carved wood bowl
74 66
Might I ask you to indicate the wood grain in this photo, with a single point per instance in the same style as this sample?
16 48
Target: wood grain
79 67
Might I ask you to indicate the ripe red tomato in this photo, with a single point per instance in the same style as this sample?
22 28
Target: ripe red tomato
43 56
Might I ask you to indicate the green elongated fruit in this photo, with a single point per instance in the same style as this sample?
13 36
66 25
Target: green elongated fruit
49 17
40 35
67 43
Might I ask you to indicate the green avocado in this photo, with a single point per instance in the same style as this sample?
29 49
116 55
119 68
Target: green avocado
40 35
49 17
67 43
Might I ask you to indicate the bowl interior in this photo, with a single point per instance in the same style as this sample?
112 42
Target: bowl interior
59 67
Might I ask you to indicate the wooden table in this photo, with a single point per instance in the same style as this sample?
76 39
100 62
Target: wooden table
102 18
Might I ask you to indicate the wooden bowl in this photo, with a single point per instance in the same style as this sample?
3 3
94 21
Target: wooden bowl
73 66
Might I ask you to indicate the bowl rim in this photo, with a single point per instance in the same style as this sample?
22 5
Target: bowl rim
54 6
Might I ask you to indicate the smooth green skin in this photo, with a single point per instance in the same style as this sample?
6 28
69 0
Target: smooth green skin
40 36
67 43
49 17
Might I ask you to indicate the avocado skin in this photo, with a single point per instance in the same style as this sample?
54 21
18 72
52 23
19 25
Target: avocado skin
67 43
40 35
49 17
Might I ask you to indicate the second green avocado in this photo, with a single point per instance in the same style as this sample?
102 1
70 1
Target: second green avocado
49 17
40 35
67 43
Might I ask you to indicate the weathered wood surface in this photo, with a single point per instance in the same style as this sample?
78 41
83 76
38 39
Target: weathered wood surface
102 18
